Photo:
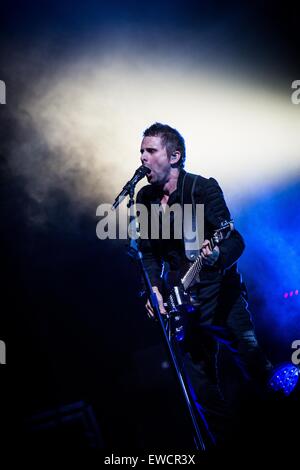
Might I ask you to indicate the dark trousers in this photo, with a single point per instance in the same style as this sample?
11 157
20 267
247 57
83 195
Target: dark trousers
221 317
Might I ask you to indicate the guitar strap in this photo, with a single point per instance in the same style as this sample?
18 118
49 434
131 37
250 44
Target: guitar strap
190 226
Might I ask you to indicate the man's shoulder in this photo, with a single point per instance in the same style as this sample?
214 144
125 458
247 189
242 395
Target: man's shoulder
201 180
203 184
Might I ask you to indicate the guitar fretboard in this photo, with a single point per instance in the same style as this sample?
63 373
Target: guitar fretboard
194 269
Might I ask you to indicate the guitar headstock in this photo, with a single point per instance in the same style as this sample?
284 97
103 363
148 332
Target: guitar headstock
223 232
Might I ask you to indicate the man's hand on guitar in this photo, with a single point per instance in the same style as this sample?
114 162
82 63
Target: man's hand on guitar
160 303
209 256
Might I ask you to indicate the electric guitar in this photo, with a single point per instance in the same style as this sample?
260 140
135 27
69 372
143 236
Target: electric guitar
177 284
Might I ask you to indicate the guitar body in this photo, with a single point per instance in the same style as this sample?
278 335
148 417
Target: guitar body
178 303
175 294
177 283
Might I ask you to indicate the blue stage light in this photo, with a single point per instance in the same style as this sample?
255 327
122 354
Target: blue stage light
284 378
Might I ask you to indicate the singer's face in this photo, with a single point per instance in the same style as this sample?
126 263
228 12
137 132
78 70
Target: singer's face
154 156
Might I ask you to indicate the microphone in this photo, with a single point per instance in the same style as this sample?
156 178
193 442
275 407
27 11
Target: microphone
138 175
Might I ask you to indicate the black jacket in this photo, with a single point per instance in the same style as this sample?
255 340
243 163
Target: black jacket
172 251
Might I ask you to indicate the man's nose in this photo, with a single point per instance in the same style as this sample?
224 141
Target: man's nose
144 158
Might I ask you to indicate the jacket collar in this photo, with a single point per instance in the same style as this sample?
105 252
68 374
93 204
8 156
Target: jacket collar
157 194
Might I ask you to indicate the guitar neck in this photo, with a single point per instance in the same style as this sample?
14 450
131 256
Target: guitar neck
223 232
194 269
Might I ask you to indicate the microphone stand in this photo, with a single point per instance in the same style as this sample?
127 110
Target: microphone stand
136 253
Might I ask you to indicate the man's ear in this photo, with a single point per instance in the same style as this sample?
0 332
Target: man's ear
175 157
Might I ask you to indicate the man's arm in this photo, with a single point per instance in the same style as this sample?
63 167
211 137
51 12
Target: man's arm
216 211
151 256
152 263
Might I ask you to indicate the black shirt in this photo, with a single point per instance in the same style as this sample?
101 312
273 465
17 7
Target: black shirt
171 252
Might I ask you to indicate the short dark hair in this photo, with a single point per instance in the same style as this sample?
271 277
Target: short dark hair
171 139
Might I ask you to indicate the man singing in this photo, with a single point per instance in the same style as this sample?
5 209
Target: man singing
218 295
